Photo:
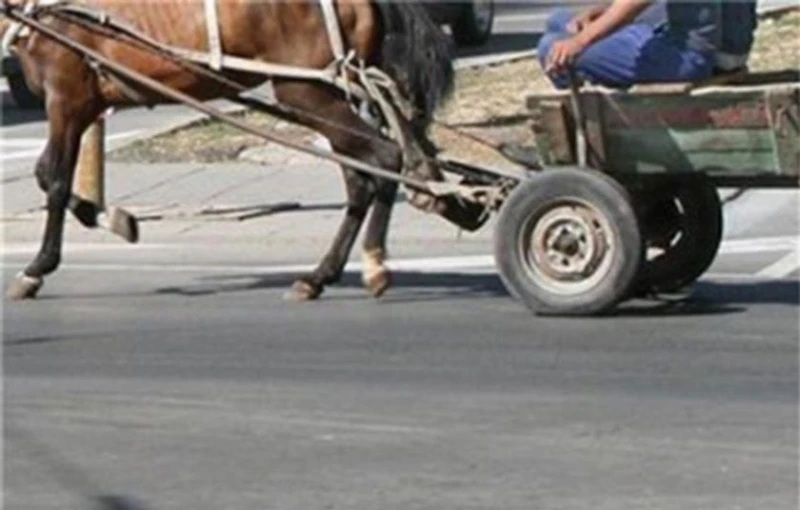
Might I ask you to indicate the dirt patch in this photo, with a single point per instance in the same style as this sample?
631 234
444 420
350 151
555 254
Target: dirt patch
488 102
208 141
777 44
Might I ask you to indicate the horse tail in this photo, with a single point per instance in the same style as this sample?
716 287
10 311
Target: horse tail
417 54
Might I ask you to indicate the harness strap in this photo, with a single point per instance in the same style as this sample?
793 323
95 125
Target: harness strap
214 39
332 25
16 29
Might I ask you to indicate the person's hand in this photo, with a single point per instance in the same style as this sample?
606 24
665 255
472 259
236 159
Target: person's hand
579 22
564 53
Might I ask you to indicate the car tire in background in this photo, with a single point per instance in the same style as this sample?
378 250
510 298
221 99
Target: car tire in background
473 27
22 95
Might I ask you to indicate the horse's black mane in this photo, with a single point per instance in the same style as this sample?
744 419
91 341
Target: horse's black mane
417 54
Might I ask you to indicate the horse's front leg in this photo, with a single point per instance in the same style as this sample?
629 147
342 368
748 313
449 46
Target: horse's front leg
54 173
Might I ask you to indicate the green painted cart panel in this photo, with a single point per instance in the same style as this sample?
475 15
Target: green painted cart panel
748 128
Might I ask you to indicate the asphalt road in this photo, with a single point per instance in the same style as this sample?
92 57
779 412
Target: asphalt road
178 375
205 390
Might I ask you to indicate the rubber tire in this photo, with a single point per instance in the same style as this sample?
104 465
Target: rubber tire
466 30
536 195
702 226
22 95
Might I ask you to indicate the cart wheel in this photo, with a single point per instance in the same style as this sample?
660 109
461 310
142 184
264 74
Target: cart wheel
683 228
567 242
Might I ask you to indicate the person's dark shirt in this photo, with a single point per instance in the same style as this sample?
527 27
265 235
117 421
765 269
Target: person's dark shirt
721 26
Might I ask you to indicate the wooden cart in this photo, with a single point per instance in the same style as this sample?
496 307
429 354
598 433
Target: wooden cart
627 203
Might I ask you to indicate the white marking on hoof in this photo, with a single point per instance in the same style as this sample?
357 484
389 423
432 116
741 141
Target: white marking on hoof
375 276
24 287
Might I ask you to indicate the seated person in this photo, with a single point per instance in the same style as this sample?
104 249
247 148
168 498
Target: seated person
627 42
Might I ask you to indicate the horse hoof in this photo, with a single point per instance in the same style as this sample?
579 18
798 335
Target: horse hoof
378 283
122 223
303 291
24 287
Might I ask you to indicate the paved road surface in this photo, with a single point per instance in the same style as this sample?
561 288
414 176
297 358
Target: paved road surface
175 372
204 390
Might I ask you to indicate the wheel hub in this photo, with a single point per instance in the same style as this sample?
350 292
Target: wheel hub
567 247
566 243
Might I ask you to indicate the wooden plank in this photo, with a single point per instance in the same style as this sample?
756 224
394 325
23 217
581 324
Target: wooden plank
728 79
784 114
552 132
595 130
750 126
666 150
681 111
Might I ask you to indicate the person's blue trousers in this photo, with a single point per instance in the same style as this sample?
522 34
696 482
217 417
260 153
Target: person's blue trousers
636 53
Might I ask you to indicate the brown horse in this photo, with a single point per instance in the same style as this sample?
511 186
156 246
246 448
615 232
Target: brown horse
398 38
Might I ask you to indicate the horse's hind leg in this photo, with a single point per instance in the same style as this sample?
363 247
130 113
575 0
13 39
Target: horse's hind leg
360 193
69 115
375 276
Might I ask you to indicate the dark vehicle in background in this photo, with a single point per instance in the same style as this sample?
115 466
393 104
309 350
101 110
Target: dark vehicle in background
20 93
470 21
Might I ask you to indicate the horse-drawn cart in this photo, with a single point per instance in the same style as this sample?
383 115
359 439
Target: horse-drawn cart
629 203
621 175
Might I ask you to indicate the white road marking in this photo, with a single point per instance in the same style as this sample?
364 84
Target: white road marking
21 142
760 245
36 146
783 267
31 248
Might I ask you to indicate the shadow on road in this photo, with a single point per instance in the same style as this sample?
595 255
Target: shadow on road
783 292
415 286
707 298
713 298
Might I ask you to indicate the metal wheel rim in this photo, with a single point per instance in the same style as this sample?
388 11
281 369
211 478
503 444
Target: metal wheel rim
678 233
679 237
543 254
